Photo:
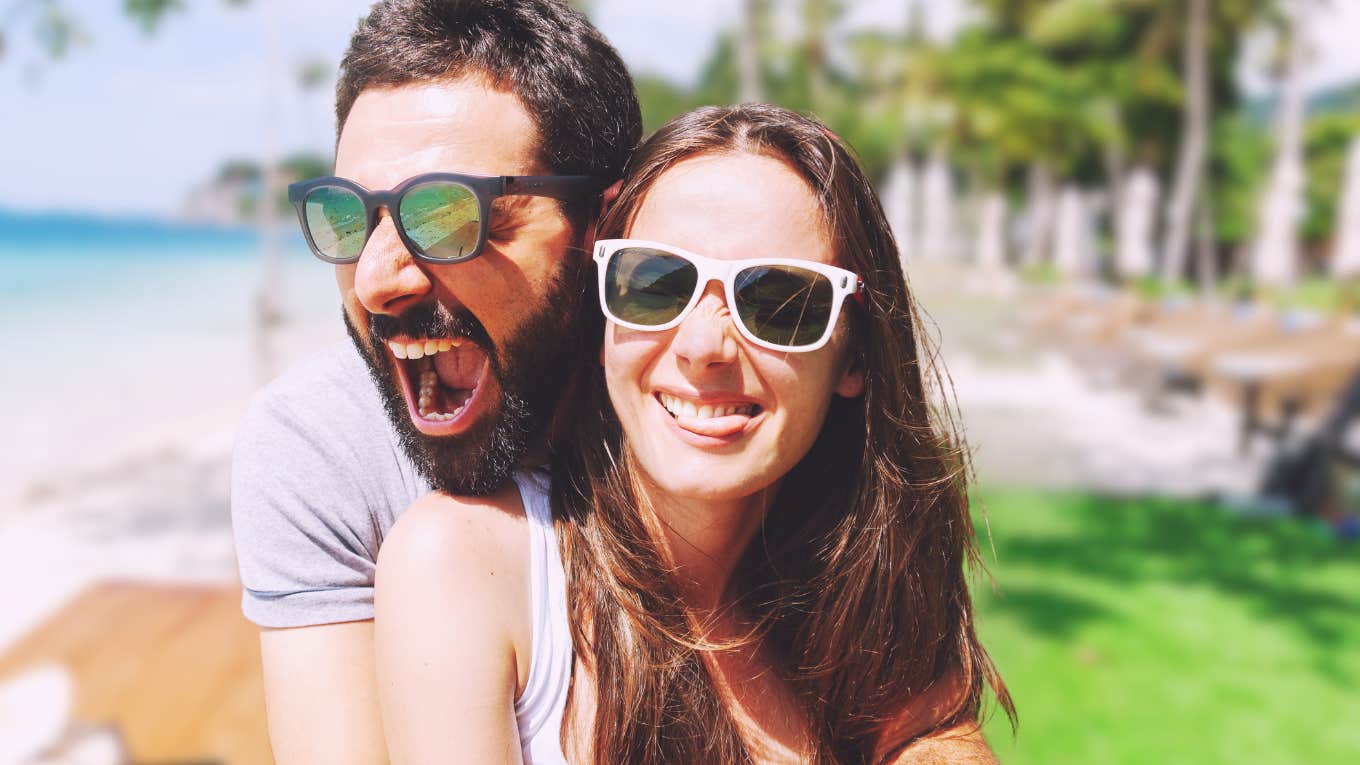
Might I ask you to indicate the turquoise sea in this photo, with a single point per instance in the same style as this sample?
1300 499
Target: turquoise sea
110 327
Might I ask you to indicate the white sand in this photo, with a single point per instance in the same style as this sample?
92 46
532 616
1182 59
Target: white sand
142 494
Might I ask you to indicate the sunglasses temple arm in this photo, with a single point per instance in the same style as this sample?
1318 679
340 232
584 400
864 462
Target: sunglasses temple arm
563 187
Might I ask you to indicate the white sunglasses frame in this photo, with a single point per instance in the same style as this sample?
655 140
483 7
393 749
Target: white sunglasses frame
843 284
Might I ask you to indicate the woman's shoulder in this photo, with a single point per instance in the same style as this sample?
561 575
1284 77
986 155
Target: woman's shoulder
458 534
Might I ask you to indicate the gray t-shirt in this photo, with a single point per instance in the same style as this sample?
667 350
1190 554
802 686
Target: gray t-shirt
318 477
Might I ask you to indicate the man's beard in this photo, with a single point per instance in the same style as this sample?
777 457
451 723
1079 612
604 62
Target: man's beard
530 370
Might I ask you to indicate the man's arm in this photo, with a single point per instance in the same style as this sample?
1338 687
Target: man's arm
306 513
321 694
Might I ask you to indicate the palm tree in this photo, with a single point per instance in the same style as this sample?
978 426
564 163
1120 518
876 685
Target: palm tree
1275 250
1194 144
750 34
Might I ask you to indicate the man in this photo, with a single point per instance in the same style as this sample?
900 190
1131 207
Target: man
466 358
460 339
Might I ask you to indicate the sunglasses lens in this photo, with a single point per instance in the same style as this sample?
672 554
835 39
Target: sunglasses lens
337 222
648 287
443 219
784 305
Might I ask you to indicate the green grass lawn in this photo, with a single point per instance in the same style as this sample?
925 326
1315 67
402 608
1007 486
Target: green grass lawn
1161 631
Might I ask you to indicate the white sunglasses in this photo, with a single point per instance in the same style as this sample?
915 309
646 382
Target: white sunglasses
781 304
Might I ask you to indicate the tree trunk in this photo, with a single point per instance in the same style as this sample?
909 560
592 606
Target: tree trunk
1039 216
1135 223
899 206
1346 257
1194 142
991 231
750 88
1275 252
1072 236
937 209
1206 254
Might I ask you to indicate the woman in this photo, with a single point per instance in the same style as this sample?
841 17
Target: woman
756 542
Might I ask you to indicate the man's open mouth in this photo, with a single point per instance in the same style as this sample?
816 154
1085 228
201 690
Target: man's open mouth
444 380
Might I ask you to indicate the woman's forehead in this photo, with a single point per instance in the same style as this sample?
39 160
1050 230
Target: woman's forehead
734 205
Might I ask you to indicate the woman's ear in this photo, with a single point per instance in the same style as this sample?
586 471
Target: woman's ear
851 384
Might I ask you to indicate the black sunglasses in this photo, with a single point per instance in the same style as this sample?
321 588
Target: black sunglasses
441 217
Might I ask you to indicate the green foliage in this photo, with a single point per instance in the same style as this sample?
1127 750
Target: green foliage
1240 152
1327 139
148 14
1148 630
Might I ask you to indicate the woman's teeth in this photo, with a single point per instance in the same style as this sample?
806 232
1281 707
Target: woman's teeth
679 407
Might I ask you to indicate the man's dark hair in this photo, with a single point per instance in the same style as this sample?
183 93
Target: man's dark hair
570 79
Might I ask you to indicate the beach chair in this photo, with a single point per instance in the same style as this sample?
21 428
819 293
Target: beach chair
157 674
1277 383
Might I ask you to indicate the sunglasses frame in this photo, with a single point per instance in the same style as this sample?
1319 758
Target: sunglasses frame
484 189
843 284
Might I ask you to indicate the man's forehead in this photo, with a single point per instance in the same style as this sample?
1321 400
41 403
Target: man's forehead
463 125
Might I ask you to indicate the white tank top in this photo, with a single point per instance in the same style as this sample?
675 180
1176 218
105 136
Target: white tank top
538 711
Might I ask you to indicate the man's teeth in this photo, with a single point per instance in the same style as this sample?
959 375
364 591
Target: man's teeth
425 398
423 348
429 380
679 407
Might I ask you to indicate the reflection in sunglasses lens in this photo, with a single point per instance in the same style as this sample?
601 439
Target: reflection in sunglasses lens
442 219
648 287
784 305
336 221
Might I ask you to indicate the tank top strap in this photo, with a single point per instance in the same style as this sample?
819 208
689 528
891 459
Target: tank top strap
539 709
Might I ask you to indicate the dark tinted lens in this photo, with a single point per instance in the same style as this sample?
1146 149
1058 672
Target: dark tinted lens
648 287
784 305
336 221
442 219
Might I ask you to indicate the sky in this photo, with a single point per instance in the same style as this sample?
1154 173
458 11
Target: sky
127 125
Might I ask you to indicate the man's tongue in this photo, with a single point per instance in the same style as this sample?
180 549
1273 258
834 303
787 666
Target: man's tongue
448 379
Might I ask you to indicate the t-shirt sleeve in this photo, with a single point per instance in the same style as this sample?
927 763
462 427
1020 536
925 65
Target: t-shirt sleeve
306 539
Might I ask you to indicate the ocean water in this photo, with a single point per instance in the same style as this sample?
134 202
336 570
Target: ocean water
112 328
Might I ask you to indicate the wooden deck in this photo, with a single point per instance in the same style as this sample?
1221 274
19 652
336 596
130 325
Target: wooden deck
175 668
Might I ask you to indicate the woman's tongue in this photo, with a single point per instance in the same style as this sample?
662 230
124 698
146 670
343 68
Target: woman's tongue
456 374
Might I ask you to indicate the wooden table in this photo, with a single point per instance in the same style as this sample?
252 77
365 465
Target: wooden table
176 669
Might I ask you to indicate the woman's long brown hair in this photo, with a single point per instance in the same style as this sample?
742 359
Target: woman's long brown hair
858 578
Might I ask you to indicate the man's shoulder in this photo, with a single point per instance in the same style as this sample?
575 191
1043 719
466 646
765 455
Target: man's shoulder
333 379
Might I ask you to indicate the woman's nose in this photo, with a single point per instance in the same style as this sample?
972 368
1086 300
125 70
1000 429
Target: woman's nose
706 337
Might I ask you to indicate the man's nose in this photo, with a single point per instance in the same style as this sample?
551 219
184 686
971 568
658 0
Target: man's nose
706 338
388 279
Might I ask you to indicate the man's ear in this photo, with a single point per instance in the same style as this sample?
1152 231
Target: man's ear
851 384
607 198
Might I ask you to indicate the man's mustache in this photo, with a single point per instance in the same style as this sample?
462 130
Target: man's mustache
431 320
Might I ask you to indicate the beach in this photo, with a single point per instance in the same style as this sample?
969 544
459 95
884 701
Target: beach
137 353
118 461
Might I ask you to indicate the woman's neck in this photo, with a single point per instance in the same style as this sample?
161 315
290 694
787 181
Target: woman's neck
705 540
